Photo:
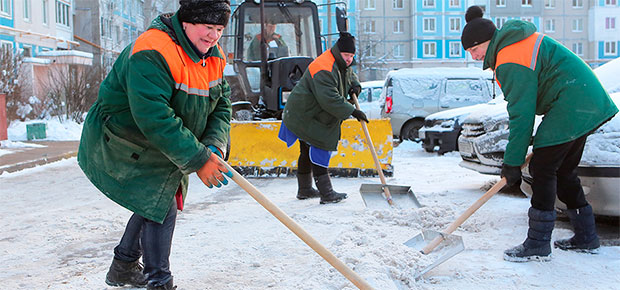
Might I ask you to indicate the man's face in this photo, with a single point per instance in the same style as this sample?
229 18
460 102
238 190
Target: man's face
270 29
478 51
203 36
347 57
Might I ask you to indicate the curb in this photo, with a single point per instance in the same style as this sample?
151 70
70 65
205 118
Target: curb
36 162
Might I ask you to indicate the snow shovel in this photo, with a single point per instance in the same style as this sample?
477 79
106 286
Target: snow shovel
449 245
297 229
371 193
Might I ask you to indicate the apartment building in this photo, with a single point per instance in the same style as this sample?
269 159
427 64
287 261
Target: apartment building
604 34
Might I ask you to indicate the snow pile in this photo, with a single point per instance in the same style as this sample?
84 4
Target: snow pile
608 75
603 146
55 130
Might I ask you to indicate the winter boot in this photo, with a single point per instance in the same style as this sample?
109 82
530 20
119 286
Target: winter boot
537 245
328 195
168 286
585 238
123 273
304 185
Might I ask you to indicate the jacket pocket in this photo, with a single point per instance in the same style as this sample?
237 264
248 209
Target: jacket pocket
120 157
326 118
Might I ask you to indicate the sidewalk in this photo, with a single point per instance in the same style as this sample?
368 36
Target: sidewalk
23 158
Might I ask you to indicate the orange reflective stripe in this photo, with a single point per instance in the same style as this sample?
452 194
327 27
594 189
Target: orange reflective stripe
193 78
325 61
524 52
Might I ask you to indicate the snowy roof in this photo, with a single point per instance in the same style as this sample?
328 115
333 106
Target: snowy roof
37 60
66 53
608 75
372 84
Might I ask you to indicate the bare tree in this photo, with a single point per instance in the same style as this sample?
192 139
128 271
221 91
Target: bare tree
10 66
73 89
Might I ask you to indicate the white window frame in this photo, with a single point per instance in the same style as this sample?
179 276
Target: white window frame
550 25
454 3
399 51
370 27
431 47
577 25
454 24
428 3
27 10
45 12
499 21
611 2
6 7
610 48
399 26
429 21
63 14
610 23
371 5
526 3
4 43
577 4
455 49
500 3
578 48
372 51
398 4
528 19
549 4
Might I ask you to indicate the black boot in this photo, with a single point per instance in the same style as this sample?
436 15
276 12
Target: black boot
585 238
304 185
123 273
168 286
537 245
328 195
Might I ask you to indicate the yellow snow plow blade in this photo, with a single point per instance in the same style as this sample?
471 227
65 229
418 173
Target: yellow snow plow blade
255 149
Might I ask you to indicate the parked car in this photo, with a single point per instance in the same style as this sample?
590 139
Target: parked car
441 130
412 94
369 98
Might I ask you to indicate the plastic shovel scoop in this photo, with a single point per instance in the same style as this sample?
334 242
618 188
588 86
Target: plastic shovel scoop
402 196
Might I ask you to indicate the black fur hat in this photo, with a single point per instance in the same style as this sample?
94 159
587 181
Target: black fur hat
478 29
346 42
215 12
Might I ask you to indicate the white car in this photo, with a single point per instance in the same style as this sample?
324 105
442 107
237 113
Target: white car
369 98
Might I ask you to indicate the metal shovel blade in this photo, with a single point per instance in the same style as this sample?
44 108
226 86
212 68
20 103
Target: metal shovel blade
402 196
448 248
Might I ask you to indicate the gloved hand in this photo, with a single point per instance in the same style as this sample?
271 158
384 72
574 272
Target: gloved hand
215 150
355 90
512 174
212 172
359 115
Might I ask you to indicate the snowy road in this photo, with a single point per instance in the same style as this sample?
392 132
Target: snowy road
58 232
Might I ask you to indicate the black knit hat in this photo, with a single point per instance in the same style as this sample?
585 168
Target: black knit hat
478 29
346 42
215 12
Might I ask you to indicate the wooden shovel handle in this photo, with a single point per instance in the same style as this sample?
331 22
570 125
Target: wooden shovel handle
386 190
297 229
473 208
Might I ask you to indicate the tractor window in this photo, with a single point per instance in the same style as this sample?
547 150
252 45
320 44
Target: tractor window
289 32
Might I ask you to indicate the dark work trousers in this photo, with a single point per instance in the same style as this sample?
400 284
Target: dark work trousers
304 165
152 240
554 172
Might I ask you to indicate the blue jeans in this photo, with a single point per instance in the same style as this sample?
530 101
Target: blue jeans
152 240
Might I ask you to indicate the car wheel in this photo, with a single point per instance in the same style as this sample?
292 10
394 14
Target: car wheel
410 131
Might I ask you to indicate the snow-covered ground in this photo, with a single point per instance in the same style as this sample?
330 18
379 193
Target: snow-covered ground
58 232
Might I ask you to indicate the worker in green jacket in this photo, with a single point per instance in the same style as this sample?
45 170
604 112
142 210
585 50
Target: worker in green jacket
276 47
162 113
314 112
539 76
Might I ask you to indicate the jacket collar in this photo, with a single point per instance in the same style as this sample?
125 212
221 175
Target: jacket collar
512 32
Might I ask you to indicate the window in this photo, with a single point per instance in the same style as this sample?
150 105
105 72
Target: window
5 7
398 4
27 10
6 45
499 21
577 25
526 3
577 3
27 51
528 19
610 48
430 49
500 3
610 2
549 4
398 26
455 49
369 26
44 12
578 48
429 25
372 51
610 23
428 4
455 24
550 25
370 4
399 50
62 13
455 3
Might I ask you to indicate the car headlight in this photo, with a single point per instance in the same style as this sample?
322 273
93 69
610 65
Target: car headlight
498 126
